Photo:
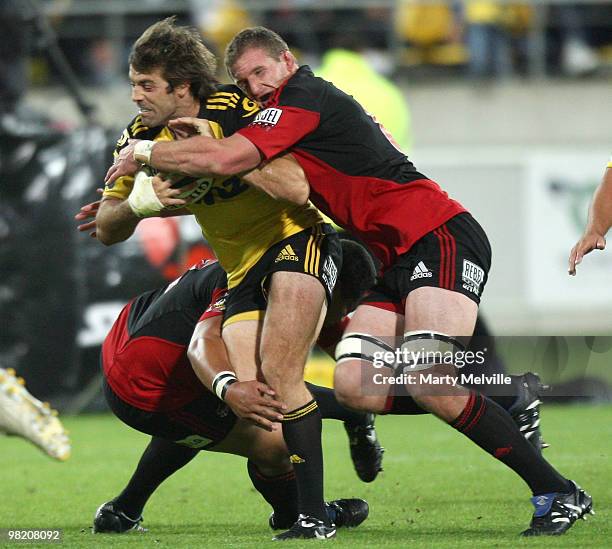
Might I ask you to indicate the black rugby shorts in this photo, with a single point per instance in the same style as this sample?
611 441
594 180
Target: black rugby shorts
456 256
315 251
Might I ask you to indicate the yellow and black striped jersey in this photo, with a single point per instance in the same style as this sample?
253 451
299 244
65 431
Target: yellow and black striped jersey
239 222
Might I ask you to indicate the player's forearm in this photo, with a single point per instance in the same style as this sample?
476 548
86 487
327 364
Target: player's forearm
115 221
600 212
194 156
200 156
207 352
282 179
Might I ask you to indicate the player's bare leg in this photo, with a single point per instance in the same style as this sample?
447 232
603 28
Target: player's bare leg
294 314
242 340
355 380
440 311
296 308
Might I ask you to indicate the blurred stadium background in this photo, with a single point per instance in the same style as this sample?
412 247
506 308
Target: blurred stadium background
505 104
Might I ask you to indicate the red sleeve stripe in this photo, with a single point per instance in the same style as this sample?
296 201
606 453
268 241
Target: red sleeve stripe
448 257
212 310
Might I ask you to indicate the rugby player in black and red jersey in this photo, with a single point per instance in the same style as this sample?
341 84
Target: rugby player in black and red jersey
435 256
151 386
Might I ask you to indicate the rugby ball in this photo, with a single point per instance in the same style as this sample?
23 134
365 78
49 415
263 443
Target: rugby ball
193 189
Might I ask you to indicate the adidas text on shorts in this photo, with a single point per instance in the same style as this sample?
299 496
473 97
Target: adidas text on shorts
315 251
455 256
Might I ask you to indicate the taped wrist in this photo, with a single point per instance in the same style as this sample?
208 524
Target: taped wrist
222 381
142 200
143 150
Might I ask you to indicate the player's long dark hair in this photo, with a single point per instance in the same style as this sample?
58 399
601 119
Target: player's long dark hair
179 54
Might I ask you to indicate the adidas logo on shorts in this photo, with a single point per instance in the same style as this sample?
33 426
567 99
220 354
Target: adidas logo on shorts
287 254
421 271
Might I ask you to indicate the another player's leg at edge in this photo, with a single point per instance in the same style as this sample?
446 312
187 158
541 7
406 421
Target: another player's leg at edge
365 449
21 414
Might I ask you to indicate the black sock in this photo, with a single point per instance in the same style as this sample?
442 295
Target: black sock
405 406
160 459
330 407
400 403
279 491
506 395
491 427
302 432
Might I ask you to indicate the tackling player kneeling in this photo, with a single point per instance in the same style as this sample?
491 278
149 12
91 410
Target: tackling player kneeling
162 397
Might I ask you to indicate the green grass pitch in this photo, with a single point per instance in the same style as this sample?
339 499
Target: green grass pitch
437 490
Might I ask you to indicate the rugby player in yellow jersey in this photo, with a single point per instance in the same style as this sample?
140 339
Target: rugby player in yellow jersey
281 258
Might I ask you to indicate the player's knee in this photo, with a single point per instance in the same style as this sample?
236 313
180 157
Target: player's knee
283 358
347 385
